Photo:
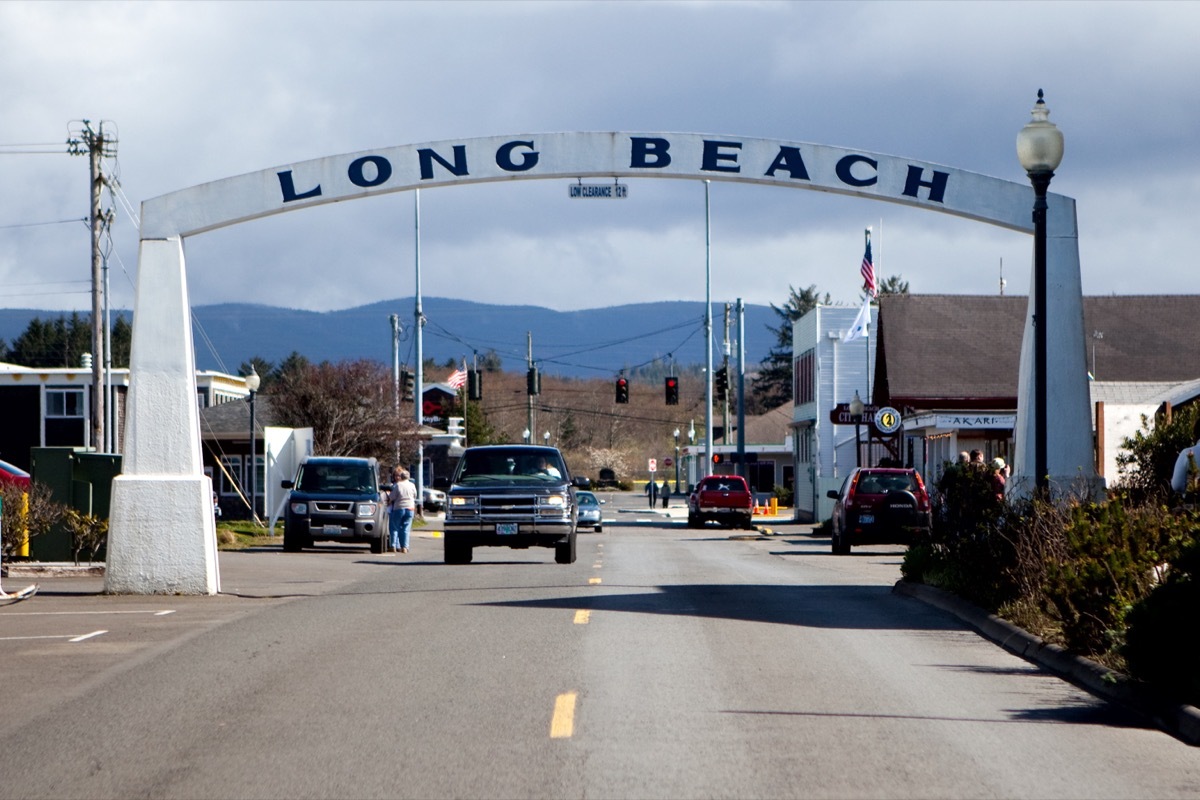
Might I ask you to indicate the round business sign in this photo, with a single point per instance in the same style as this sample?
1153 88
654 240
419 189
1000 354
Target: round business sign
887 420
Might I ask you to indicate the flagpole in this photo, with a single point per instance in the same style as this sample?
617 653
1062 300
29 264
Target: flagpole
867 330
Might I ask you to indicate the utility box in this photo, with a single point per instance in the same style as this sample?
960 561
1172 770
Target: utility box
78 478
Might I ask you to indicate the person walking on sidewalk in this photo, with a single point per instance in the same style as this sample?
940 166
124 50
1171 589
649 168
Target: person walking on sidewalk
666 492
402 506
652 492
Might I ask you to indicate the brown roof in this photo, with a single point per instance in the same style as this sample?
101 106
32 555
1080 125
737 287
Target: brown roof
772 427
963 351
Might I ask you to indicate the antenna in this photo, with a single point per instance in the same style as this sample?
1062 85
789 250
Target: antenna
1003 282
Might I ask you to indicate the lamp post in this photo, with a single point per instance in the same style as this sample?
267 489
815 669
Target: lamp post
252 383
546 438
677 461
1095 335
1040 150
856 411
525 435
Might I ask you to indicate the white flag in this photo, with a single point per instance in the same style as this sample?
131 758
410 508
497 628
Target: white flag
861 322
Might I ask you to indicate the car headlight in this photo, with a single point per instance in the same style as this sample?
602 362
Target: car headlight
555 500
462 501
299 508
366 509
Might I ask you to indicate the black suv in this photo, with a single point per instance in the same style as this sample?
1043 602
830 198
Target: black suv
335 500
514 496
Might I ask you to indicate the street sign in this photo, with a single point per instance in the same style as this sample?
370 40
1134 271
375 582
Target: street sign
840 414
605 191
668 462
653 467
887 420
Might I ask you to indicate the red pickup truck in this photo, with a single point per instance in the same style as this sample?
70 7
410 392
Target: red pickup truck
723 498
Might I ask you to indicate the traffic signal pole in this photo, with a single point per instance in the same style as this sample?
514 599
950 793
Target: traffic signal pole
741 390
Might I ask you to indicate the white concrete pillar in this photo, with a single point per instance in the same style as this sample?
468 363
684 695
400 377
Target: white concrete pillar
162 535
1069 455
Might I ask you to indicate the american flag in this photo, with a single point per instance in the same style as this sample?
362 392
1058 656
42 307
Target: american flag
868 270
458 378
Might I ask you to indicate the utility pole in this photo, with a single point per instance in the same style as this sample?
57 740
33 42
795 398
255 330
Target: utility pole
528 394
96 145
395 320
728 383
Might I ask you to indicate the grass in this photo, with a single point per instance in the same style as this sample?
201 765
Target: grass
238 534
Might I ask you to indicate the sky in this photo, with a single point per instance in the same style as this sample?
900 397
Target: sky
198 91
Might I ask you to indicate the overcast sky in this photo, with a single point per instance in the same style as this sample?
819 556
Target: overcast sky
200 91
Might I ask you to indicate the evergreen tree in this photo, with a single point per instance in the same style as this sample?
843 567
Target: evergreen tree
773 385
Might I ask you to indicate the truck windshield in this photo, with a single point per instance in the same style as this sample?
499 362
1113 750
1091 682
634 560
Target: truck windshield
513 466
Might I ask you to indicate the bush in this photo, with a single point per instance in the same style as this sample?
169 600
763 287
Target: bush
27 515
1108 558
784 495
1147 467
1161 645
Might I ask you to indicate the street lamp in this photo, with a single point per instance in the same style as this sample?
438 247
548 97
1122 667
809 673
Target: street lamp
252 383
677 461
1095 335
856 410
1040 150
525 435
546 438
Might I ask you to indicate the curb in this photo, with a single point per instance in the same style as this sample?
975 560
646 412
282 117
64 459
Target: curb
1180 720
52 570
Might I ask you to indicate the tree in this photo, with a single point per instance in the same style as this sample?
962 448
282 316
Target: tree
26 514
893 285
773 385
61 342
349 407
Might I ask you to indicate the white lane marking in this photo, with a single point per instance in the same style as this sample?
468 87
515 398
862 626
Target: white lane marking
82 613
87 636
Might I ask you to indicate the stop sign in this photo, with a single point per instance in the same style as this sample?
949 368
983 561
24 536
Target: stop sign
668 461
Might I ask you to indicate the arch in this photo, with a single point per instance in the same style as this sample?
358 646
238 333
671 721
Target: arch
162 536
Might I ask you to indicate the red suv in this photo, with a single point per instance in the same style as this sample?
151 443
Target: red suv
879 505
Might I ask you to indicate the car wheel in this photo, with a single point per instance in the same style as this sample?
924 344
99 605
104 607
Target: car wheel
291 541
748 523
840 546
455 553
693 520
564 552
599 529
379 545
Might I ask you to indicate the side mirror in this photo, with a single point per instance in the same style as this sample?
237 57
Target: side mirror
385 487
832 494
582 483
287 484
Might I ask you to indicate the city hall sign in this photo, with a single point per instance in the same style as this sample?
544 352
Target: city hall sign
162 538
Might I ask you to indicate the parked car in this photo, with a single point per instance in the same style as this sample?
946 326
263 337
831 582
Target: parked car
878 505
515 496
13 475
433 499
724 498
589 511
335 500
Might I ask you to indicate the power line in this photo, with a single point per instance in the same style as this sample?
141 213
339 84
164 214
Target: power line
38 224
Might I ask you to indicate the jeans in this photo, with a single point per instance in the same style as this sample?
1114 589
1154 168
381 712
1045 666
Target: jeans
400 525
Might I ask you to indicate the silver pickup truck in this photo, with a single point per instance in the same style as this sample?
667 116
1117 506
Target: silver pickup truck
515 496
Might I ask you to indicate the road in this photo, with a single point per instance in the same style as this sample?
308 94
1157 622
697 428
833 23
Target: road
664 663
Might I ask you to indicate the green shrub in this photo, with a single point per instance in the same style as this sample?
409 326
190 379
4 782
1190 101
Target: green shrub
1161 645
1109 559
1147 466
784 495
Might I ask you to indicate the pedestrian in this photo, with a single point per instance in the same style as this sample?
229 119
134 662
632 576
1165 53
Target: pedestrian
402 506
652 492
666 492
999 478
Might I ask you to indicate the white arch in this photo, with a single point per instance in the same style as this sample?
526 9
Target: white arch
162 537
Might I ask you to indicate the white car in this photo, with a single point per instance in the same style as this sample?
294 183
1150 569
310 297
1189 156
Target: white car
433 499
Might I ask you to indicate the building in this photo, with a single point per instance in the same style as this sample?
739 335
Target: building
949 364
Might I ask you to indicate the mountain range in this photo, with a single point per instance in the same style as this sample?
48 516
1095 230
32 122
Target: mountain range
585 343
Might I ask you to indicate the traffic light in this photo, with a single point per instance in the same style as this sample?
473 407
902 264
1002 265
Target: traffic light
622 390
721 383
533 381
671 384
474 385
717 458
407 384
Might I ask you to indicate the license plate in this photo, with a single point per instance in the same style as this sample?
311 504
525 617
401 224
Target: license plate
506 528
866 519
332 530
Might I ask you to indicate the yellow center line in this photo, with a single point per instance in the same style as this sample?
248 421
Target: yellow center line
594 581
582 616
562 725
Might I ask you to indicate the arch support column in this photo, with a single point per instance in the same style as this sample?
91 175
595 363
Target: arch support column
162 534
